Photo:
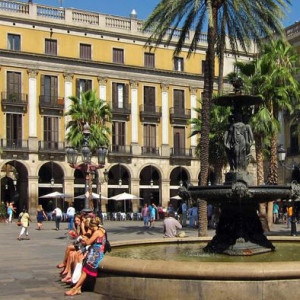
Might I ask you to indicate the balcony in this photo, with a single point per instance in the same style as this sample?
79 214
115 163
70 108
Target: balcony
146 150
50 105
14 148
181 156
179 116
14 102
150 113
51 150
120 153
120 113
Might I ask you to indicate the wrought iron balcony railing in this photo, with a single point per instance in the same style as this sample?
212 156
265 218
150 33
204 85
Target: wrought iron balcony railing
14 144
150 150
120 149
181 152
14 102
50 146
179 115
150 113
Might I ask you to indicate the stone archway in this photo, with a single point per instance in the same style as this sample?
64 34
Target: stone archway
51 179
178 177
150 186
14 184
119 180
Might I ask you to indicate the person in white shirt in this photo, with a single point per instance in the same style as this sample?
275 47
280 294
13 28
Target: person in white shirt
70 216
57 213
171 225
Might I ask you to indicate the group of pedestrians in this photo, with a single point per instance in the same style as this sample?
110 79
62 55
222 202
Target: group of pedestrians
149 213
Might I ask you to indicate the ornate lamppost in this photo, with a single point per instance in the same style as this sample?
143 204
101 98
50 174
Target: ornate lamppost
86 166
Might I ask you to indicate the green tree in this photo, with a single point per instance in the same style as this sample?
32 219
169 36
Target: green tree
88 109
218 124
246 20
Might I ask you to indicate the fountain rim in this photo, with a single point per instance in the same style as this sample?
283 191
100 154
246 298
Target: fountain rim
201 270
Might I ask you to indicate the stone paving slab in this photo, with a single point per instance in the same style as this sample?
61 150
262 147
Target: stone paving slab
28 267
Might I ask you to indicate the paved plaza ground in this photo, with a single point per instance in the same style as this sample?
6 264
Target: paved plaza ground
28 267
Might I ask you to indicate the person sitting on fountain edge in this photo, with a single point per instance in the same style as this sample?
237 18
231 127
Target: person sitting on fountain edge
171 225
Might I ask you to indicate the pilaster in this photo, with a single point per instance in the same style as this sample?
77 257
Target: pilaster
165 148
102 87
32 109
134 189
134 117
165 192
33 191
68 93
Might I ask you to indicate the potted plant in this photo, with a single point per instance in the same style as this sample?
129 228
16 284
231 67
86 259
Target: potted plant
3 212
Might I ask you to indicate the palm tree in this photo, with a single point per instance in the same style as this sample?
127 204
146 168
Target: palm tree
218 123
246 20
88 108
272 76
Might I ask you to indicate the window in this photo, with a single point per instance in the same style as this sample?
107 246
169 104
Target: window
85 51
50 47
14 42
149 98
49 88
14 130
179 140
118 136
149 60
119 95
204 66
178 100
150 137
178 64
51 132
118 56
82 86
14 86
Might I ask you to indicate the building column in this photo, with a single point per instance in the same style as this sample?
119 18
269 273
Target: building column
102 87
33 193
165 192
193 99
135 190
32 110
165 147
104 192
134 118
69 186
68 93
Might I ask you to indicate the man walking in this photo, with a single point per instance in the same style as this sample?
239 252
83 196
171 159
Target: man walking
70 216
57 213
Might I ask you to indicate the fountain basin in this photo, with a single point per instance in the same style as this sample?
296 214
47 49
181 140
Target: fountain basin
128 278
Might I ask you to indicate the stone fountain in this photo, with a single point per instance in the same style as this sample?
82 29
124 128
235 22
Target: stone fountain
239 231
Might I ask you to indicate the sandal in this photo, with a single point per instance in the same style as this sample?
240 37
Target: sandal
67 279
74 291
60 266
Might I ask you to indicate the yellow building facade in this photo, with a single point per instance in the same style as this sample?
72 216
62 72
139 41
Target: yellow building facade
49 54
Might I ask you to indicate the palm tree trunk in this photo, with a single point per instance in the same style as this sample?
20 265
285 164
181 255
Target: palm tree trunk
221 56
260 181
209 75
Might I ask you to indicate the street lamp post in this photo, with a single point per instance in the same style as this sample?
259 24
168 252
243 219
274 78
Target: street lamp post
86 166
281 153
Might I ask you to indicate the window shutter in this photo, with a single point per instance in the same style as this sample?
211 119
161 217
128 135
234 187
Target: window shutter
19 128
88 85
78 88
126 95
43 85
115 94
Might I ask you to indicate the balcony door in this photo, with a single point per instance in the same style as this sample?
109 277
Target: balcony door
179 101
14 86
118 136
149 98
82 86
14 130
51 133
49 88
179 140
119 95
149 138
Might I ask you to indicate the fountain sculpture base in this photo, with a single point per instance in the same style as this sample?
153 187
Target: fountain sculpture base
239 232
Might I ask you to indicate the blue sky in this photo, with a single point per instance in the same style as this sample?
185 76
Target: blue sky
143 7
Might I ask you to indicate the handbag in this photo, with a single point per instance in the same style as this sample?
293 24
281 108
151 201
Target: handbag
19 223
77 273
